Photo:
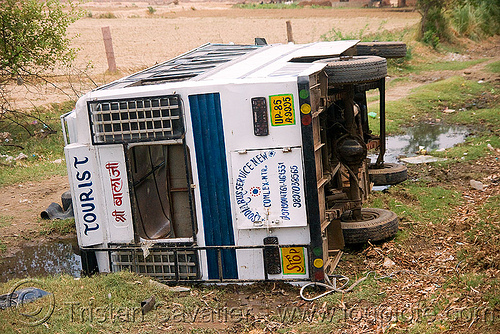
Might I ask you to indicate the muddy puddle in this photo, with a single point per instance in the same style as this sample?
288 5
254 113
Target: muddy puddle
51 258
430 137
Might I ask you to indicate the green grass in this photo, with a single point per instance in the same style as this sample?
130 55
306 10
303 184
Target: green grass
266 6
124 291
365 35
418 202
430 100
472 149
446 65
58 226
488 117
493 67
20 173
3 248
5 220
40 140
108 15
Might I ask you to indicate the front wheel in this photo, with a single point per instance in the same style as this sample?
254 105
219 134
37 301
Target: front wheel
375 225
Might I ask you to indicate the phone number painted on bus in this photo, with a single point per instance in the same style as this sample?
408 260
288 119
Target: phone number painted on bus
268 189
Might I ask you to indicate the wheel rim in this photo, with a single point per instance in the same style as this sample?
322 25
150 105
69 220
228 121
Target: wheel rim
365 216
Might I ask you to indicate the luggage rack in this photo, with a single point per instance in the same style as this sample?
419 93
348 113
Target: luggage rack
180 264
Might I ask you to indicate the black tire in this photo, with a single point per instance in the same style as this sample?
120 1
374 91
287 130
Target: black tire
389 174
355 70
66 200
376 225
382 49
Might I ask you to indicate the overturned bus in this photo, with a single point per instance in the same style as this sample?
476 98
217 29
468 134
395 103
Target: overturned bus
230 163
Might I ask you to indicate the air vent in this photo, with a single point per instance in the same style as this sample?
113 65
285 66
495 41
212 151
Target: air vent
135 120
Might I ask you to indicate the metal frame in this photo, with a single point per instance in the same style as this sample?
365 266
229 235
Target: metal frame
143 123
196 249
187 66
311 184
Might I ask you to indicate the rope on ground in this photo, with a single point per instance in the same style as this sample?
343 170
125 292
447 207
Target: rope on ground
332 286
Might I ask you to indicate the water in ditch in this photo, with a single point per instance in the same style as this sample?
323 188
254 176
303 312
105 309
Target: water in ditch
429 136
50 258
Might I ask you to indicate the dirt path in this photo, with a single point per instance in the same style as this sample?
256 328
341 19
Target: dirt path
404 89
21 205
148 39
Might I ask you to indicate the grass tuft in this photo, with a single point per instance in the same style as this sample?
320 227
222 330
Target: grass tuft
58 226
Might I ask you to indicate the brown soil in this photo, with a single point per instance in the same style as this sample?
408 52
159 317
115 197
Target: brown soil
141 40
21 205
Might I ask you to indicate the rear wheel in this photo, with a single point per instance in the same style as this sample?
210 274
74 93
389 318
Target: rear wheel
355 70
375 225
387 174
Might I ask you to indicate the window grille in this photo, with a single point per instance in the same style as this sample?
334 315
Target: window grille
134 120
160 264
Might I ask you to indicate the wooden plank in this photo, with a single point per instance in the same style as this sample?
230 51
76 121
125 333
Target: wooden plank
333 261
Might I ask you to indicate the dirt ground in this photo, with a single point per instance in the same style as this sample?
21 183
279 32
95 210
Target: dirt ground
141 40
22 205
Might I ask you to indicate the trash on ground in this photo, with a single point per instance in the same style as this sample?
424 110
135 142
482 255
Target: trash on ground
23 296
55 211
169 288
422 150
148 304
388 263
478 185
422 159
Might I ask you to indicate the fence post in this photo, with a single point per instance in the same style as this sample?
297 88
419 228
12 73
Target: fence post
108 45
289 34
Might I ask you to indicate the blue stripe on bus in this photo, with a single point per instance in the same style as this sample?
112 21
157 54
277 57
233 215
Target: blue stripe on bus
206 117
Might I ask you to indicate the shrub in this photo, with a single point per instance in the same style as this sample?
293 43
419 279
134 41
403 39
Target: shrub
151 10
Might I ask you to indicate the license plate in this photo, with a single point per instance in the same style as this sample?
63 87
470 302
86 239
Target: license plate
293 261
282 112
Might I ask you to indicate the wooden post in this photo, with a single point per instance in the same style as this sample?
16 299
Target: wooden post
108 45
289 34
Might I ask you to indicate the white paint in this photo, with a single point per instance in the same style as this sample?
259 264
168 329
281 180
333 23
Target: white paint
86 192
262 73
268 188
118 213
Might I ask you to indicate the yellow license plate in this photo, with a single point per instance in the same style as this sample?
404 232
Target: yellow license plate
293 261
282 112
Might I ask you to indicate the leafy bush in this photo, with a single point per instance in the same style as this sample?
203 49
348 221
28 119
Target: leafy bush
473 19
476 19
33 36
434 25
